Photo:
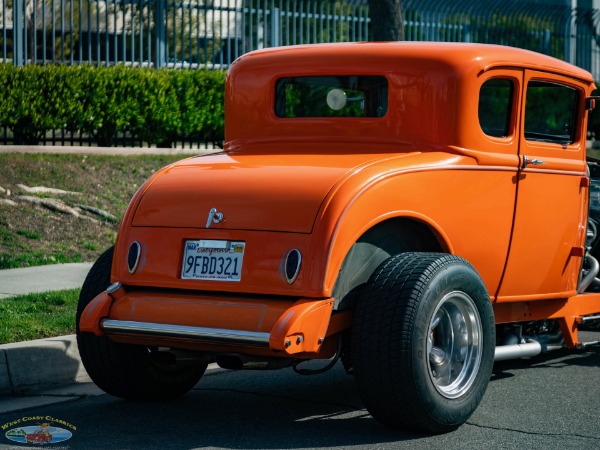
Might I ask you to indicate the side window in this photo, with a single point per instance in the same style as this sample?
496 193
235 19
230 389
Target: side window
550 112
495 107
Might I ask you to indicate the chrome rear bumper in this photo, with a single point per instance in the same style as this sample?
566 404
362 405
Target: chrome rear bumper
216 335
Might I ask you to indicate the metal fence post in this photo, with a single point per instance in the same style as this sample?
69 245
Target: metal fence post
547 37
275 26
467 32
161 41
583 38
18 33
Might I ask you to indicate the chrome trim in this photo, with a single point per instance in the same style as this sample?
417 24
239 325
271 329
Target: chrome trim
587 319
588 278
584 345
221 335
454 345
113 288
527 161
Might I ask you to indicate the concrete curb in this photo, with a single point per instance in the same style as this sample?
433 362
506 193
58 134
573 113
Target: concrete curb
43 362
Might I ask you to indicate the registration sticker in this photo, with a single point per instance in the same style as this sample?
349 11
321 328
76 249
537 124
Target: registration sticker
213 260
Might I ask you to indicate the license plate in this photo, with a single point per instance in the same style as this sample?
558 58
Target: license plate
213 260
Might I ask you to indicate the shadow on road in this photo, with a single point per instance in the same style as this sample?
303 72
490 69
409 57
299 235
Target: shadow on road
242 410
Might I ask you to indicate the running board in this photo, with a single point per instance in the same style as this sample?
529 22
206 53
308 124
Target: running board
217 335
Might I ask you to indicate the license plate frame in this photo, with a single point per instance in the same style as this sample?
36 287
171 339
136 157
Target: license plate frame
213 260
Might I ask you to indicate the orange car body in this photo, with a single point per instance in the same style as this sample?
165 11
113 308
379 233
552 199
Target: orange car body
516 208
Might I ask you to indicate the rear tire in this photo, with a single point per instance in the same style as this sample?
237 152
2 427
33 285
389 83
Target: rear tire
122 370
423 342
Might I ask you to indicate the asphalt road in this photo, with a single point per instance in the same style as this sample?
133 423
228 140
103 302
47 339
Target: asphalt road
550 402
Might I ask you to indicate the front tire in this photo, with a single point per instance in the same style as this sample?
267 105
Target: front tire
128 371
423 342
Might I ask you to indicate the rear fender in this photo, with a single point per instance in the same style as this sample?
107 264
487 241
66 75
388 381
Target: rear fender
375 245
445 209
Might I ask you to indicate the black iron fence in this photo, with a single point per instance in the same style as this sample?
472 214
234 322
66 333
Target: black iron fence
212 33
159 33
561 28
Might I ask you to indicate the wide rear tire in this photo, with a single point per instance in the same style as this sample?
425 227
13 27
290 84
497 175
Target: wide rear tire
423 342
128 371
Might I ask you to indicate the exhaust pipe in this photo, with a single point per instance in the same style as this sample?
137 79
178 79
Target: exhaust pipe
590 277
525 350
515 351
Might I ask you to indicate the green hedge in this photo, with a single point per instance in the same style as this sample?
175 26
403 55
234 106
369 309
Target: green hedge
155 106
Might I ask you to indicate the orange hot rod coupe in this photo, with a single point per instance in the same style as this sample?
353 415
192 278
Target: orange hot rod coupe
419 210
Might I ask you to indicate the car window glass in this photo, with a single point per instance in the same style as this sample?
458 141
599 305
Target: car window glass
331 96
495 107
550 112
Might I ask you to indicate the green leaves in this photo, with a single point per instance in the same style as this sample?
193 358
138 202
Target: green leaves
200 95
155 106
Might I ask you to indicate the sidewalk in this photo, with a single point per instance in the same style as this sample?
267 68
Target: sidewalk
42 278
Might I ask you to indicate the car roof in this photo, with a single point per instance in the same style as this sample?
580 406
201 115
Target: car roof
431 85
462 56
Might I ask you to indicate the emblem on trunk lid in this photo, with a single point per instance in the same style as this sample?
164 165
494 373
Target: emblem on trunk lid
214 216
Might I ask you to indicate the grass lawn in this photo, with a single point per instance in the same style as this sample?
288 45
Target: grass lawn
33 235
38 316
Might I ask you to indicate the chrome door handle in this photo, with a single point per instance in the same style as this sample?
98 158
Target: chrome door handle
527 161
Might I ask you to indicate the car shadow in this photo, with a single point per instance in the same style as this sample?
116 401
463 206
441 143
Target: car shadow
277 410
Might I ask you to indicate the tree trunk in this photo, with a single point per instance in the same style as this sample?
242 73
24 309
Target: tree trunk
387 23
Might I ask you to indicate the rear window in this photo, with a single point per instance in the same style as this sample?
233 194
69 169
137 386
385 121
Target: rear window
331 96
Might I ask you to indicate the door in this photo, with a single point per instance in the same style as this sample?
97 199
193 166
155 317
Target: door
549 228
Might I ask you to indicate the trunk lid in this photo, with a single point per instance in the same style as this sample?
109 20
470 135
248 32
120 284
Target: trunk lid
252 192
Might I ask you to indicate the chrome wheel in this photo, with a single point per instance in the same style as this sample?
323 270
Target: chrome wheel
454 344
423 342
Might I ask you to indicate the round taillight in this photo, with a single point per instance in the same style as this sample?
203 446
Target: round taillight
293 260
133 256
